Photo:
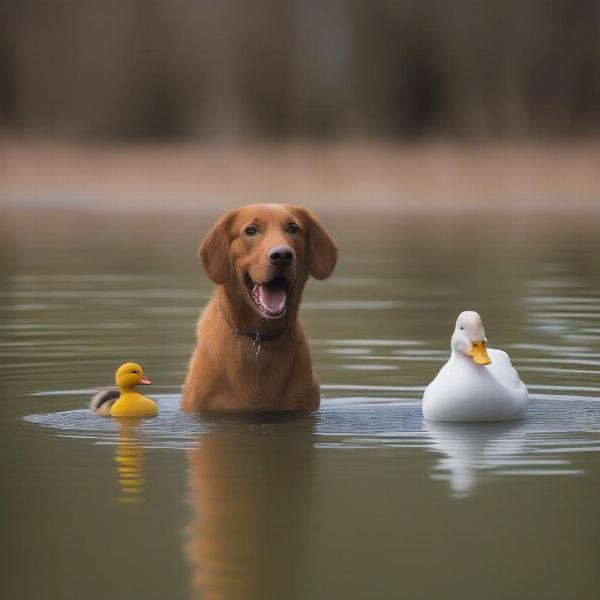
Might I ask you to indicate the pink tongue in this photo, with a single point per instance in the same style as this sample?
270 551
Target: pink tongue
272 298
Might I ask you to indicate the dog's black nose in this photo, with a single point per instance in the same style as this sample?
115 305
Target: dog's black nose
280 255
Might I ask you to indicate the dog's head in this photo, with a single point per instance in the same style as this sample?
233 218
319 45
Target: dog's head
266 252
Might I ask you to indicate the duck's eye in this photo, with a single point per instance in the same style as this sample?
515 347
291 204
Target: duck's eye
251 231
134 372
292 228
461 327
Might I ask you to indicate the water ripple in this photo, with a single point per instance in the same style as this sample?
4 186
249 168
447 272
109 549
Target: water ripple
551 436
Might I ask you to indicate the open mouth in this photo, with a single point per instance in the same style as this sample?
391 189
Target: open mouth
270 297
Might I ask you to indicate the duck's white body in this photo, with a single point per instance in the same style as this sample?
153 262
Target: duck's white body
465 390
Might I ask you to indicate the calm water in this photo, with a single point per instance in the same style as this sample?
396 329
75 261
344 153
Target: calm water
360 500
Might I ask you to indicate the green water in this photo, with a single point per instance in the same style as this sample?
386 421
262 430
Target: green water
360 500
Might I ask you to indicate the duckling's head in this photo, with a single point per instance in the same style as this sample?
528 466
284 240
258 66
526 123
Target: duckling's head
469 337
130 374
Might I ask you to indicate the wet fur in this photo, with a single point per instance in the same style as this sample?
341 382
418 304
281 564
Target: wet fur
224 371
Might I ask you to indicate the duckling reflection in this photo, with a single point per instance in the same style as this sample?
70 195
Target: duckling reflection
471 449
252 487
129 457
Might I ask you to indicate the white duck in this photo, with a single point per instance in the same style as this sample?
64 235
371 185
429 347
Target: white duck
474 385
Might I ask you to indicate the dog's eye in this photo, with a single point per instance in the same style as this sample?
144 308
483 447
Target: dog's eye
292 228
251 231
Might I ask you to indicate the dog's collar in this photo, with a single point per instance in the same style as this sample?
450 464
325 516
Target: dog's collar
256 337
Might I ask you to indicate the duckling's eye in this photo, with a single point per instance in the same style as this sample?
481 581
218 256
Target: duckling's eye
292 228
251 231
134 372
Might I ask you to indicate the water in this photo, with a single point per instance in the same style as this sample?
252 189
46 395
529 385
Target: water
359 500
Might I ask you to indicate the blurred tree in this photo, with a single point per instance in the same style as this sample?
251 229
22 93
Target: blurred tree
134 69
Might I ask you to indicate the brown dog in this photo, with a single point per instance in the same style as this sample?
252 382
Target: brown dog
251 351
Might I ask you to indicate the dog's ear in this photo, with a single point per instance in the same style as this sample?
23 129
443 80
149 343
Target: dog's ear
322 250
214 250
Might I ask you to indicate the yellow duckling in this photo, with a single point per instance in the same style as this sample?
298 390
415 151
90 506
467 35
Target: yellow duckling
126 402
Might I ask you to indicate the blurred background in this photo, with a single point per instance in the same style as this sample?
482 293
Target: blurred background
452 149
323 69
309 73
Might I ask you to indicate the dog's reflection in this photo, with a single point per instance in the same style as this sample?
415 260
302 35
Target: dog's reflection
470 449
129 458
251 486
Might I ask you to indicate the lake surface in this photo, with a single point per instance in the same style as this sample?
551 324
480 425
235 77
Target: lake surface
362 499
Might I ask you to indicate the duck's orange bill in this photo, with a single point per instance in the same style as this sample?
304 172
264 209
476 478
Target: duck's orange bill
479 353
144 381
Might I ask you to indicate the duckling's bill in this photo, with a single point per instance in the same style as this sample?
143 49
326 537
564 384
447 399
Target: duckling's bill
479 353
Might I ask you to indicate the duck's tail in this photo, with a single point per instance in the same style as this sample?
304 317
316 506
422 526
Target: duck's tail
102 401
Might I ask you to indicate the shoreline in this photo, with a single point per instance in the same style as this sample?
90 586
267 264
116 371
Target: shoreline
373 177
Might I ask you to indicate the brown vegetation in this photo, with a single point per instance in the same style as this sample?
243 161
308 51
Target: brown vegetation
371 176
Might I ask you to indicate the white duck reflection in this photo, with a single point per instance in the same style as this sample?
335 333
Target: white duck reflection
470 449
